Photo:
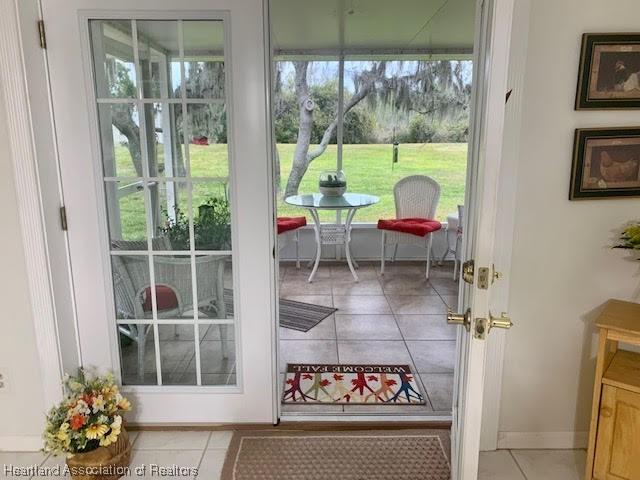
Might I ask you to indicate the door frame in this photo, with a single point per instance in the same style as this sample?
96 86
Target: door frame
37 70
39 189
24 84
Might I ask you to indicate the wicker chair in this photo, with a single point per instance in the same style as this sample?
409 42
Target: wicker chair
454 237
131 282
415 196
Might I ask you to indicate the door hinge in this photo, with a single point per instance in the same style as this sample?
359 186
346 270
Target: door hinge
63 218
42 34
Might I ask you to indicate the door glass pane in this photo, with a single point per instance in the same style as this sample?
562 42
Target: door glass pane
208 140
120 140
215 287
113 58
131 286
166 143
174 295
171 222
137 354
212 216
204 59
166 170
177 354
126 215
218 356
159 49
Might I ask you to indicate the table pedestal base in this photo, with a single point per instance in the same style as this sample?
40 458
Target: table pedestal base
333 235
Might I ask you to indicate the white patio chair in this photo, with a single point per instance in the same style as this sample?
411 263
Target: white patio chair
288 231
454 236
415 196
132 281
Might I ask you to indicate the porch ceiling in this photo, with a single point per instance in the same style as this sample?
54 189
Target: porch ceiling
384 26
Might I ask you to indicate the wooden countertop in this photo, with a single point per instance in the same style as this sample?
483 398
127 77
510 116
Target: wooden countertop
621 316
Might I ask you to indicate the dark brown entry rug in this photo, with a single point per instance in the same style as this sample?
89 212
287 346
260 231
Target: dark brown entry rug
298 316
372 455
351 384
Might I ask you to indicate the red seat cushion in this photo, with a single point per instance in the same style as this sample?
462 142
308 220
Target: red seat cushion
165 298
290 223
414 226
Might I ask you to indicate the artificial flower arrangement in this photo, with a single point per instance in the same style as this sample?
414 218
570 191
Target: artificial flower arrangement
89 417
630 238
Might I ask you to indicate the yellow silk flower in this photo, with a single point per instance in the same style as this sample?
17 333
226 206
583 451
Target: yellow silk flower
97 430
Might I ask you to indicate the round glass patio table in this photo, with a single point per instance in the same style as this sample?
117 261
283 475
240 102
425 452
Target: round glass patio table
331 234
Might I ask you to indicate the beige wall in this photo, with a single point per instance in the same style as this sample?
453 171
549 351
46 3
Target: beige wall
22 404
562 268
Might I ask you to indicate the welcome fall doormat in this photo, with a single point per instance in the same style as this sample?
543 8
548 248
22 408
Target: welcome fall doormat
351 384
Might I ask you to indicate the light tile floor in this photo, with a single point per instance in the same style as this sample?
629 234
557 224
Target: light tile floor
205 451
399 317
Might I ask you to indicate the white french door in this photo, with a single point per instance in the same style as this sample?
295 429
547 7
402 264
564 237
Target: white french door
161 122
493 33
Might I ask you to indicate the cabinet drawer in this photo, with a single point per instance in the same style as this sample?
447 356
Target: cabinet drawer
618 440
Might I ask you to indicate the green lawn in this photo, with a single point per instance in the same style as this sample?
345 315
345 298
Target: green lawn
368 169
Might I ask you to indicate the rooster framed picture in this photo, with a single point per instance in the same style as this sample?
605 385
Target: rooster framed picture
609 75
606 163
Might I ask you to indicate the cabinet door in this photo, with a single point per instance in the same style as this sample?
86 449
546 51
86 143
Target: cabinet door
618 442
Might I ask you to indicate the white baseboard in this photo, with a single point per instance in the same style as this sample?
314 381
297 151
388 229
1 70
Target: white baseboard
542 440
20 443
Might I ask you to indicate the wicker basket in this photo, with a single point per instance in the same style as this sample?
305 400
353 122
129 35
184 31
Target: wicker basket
103 463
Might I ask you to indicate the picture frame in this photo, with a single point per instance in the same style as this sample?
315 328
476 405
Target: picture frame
609 74
606 163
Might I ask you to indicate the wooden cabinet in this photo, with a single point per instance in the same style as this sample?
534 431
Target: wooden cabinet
614 439
618 440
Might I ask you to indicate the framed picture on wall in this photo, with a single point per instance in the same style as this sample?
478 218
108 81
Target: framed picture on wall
606 163
609 75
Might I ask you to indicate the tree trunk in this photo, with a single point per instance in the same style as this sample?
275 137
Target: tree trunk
123 121
305 105
302 157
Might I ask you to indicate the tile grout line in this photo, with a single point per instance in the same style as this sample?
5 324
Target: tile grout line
417 374
204 452
517 464
335 327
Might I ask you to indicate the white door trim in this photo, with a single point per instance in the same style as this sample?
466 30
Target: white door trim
492 49
13 81
505 221
273 241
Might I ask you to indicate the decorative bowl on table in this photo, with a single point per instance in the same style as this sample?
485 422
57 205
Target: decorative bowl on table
333 183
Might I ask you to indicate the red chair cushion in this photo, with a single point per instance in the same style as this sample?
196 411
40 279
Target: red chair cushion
414 226
290 223
165 298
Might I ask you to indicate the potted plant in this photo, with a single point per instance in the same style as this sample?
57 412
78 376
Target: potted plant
86 426
211 227
333 183
630 237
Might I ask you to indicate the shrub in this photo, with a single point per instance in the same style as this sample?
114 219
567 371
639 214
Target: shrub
211 227
420 130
